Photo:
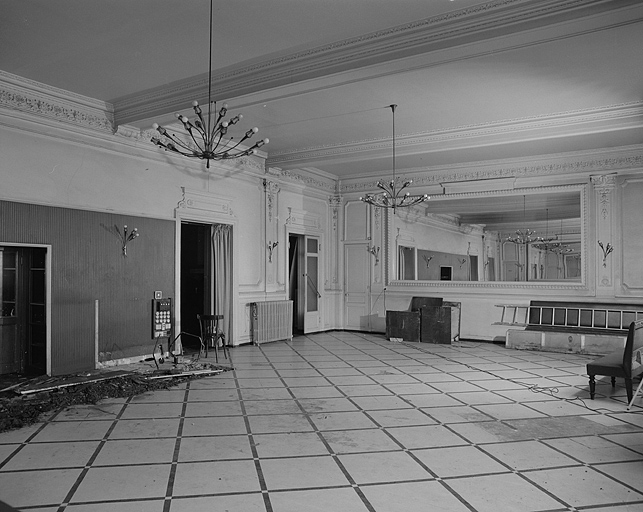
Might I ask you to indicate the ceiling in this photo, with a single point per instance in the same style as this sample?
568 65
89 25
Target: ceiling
474 81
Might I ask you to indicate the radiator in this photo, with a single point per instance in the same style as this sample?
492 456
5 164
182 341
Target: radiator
271 321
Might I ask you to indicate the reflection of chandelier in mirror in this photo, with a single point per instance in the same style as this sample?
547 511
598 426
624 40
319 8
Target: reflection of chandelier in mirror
526 236
207 136
561 248
391 197
548 243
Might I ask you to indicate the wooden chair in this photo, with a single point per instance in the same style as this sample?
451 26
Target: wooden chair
623 364
211 334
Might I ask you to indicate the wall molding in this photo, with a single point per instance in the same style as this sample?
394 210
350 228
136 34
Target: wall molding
579 163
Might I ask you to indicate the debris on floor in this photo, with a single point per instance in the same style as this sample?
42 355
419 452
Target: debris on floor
23 401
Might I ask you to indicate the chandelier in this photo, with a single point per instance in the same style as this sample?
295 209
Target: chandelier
526 236
391 196
208 137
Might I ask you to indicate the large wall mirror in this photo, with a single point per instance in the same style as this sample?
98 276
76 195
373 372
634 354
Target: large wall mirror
518 236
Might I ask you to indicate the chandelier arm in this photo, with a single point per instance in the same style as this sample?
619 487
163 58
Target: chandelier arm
188 127
174 149
175 141
215 141
246 136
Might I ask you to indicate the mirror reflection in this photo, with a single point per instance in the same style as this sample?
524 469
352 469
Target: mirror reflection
535 236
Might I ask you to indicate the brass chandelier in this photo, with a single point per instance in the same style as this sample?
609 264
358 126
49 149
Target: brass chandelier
208 140
391 196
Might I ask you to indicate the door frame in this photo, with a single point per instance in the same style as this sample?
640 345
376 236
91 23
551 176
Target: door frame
48 251
298 231
368 306
183 214
208 280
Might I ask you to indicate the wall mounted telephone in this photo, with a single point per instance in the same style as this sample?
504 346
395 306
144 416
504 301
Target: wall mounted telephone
162 322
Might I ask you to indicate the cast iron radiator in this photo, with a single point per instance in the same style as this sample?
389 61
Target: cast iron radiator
271 321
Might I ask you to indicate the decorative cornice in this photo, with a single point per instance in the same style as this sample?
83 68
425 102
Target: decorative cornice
40 100
575 163
302 179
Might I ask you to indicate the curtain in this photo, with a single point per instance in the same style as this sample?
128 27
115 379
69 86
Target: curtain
222 273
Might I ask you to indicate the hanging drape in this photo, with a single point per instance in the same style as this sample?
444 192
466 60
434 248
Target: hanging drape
222 274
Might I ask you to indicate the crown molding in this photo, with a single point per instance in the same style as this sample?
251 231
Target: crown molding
316 180
580 163
44 101
461 27
560 124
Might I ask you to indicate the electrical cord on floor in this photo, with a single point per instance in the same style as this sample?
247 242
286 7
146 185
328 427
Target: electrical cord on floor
378 298
534 388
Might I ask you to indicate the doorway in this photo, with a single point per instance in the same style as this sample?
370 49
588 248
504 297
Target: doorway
196 250
23 307
304 278
295 242
357 289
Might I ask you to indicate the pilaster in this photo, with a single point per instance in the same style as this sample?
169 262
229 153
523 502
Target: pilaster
333 256
605 199
271 235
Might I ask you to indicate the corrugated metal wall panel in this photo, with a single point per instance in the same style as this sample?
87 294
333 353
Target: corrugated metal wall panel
88 265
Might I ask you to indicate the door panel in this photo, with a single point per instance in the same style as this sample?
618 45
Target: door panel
356 287
312 280
9 350
36 321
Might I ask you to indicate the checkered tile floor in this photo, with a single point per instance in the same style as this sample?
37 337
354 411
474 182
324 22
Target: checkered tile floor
344 422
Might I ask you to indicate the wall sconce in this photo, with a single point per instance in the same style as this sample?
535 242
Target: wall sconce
271 246
606 251
427 259
462 261
375 251
125 237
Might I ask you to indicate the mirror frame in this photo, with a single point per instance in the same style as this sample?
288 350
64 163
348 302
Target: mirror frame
390 245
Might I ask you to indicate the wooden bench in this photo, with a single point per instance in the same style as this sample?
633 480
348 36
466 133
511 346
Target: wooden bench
625 364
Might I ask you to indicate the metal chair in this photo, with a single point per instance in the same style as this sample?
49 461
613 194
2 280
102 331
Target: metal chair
211 333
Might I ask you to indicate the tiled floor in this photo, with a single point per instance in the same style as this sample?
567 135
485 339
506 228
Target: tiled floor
343 422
